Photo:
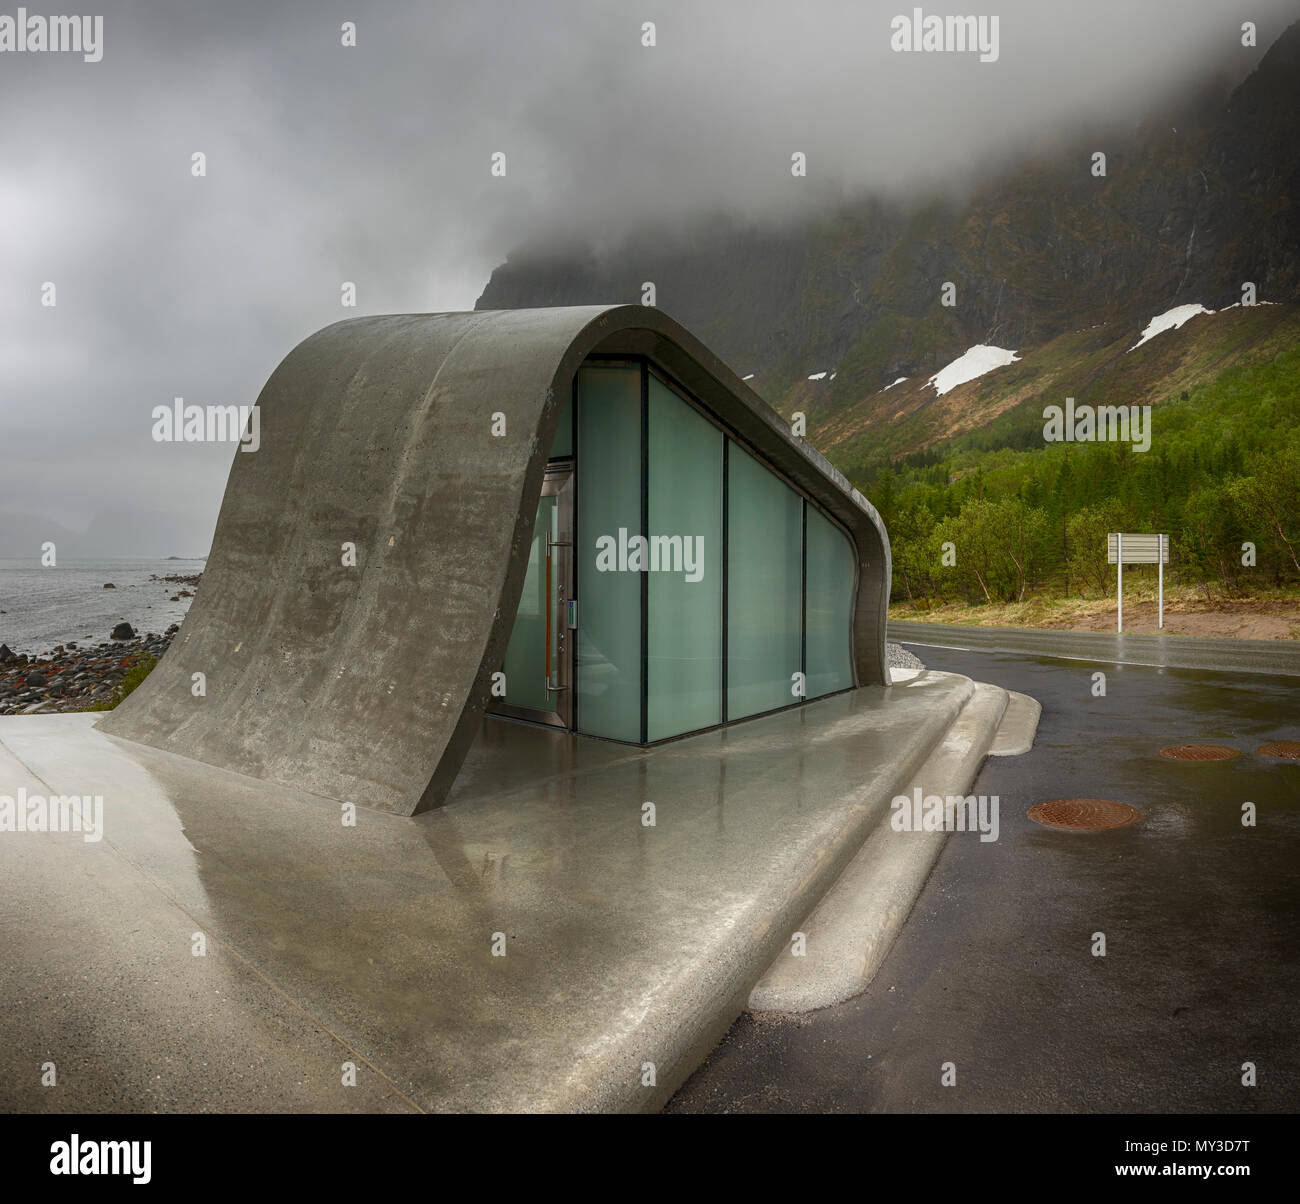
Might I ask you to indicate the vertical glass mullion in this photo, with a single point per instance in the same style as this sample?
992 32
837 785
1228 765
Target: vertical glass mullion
575 686
726 563
645 534
803 597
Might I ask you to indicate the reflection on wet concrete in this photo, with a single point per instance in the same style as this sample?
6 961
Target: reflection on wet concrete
623 943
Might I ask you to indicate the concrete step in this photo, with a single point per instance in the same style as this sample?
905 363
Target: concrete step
849 932
1018 727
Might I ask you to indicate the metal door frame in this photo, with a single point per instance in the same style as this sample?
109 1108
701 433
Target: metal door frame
558 483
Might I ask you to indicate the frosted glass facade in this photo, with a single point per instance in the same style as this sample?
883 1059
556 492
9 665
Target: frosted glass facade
525 655
764 588
609 601
828 618
684 650
707 588
562 444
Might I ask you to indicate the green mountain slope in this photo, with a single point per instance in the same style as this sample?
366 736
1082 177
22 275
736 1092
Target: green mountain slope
1094 366
1221 476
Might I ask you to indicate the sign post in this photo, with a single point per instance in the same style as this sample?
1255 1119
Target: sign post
1124 549
1160 573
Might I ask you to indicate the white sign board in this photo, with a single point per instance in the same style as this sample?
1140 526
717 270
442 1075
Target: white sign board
1124 549
1138 549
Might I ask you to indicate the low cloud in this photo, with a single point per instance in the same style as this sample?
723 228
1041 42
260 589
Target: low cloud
371 164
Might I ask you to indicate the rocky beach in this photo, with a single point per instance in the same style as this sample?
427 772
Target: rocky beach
75 676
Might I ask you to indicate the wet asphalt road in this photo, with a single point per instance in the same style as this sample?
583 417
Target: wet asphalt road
994 969
1272 657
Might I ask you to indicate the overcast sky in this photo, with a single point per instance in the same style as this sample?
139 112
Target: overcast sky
372 164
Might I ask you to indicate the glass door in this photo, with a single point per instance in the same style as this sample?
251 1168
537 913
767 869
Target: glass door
539 658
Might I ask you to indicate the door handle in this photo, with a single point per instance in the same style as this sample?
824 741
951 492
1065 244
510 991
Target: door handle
570 605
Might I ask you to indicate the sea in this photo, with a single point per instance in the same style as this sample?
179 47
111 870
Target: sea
41 607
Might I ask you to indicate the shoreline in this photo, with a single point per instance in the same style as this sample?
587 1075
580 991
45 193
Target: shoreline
80 603
74 675
72 678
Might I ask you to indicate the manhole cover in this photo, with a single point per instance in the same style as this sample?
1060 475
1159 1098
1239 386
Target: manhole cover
1199 752
1083 814
1281 748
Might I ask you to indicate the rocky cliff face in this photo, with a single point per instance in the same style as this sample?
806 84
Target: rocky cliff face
1196 200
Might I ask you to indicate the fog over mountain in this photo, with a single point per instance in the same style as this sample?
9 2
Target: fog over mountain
823 312
371 164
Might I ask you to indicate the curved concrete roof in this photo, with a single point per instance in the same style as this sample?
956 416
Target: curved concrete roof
368 683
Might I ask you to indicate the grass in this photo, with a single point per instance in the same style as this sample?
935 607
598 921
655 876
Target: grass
1041 610
135 674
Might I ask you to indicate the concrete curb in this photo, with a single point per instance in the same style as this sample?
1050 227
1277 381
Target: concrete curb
700 1022
851 930
1019 725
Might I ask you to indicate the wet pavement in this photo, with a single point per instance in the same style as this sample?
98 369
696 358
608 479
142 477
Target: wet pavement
574 930
1271 657
995 973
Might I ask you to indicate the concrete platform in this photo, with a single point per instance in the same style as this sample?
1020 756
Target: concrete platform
373 944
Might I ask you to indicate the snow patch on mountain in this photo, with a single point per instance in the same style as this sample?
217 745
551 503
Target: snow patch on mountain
1171 319
977 361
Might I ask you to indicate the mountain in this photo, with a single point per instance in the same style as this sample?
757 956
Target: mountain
1049 260
113 534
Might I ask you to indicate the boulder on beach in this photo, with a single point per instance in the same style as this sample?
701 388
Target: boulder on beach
6 654
123 631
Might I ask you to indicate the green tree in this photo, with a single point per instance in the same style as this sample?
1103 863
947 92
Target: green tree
1000 546
1271 498
1087 530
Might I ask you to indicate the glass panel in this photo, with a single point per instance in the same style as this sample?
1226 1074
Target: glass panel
609 515
829 606
764 587
525 664
684 661
562 444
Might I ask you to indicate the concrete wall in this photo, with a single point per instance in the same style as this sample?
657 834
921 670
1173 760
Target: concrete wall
367 684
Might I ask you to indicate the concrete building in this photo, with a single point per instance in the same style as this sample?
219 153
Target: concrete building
444 520
575 517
